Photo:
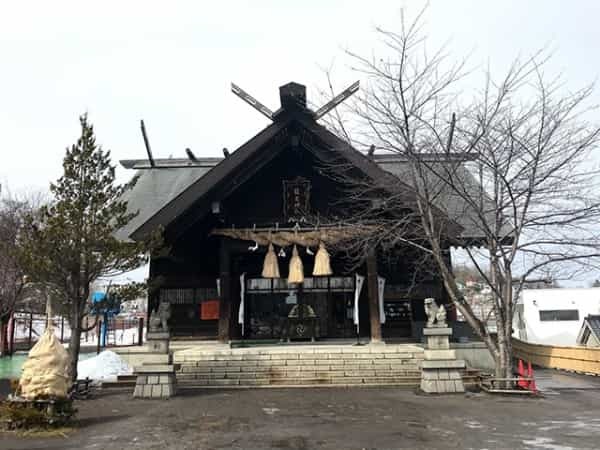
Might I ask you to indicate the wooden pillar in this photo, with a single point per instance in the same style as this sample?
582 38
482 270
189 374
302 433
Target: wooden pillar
140 331
373 296
153 295
225 299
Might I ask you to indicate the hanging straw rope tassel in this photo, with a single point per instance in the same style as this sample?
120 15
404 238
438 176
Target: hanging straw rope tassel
270 266
322 263
296 274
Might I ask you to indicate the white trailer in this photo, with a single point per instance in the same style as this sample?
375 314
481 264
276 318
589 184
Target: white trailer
554 316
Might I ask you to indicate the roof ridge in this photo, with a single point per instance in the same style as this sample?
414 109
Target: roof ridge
161 163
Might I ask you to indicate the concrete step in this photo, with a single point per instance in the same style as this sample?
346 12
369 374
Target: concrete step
279 369
288 361
413 365
347 381
310 379
299 361
293 375
256 358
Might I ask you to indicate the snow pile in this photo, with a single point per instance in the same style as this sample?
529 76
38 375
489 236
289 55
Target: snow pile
105 366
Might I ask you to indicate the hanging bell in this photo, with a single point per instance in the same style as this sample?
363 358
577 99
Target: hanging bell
322 263
270 266
296 274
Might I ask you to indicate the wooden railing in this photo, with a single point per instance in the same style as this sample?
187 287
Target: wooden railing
577 358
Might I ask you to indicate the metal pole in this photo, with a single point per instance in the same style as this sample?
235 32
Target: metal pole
12 334
99 324
147 144
104 329
30 328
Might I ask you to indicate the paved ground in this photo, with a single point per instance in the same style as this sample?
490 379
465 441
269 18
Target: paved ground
333 418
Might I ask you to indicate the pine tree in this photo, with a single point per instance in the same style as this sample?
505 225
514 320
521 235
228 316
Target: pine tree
72 242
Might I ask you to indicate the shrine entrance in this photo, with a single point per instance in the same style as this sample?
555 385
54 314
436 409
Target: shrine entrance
276 310
258 245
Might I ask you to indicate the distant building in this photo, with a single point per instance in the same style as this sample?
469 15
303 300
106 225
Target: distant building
554 316
479 296
135 308
589 334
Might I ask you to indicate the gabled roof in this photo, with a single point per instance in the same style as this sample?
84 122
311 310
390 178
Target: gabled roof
156 188
193 187
172 178
164 193
590 326
454 205
160 197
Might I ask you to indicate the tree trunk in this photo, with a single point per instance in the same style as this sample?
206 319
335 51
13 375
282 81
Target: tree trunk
503 361
74 346
75 339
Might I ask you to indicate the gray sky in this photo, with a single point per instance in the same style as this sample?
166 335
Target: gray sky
171 63
123 61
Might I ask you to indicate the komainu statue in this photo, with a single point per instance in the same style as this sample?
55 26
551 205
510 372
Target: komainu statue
160 316
436 314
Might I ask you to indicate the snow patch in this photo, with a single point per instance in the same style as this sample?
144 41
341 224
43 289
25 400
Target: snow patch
105 366
545 443
473 424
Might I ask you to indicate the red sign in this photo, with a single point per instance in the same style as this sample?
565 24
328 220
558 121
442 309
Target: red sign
209 310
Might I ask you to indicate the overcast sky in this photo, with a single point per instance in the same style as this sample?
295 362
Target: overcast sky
171 64
125 60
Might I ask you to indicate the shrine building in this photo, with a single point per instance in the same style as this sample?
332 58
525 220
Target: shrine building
229 221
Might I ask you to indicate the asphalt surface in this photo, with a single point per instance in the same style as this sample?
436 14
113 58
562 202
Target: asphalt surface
567 417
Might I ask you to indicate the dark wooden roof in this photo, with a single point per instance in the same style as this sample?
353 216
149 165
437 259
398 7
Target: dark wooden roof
164 194
200 185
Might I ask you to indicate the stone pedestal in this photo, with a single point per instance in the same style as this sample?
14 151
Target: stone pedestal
158 341
155 381
156 378
440 370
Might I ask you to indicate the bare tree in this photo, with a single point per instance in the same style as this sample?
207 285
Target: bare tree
509 177
13 209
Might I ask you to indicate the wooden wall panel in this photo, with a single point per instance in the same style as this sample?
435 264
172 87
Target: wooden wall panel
580 359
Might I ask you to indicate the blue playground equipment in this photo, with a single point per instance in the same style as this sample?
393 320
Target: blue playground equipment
107 306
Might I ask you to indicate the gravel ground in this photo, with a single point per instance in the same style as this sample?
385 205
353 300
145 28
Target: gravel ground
331 418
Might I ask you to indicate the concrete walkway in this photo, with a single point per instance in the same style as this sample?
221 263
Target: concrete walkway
550 380
334 418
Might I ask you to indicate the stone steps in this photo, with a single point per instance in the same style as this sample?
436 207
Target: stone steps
307 382
393 365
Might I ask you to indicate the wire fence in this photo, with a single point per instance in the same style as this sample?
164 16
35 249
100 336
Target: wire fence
25 328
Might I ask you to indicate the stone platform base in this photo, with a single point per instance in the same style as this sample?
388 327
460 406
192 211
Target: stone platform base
440 371
155 381
441 381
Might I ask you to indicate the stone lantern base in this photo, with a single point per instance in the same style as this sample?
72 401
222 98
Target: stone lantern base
157 379
440 370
